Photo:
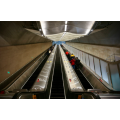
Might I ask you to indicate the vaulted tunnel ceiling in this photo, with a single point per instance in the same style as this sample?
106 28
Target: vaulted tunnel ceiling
65 30
32 32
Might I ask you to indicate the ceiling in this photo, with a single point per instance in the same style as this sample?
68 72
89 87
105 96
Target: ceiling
65 30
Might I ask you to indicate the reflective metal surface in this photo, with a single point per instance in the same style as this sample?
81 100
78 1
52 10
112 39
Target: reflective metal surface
42 79
87 72
74 29
72 80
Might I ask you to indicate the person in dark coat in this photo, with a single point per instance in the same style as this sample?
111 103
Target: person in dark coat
73 63
77 63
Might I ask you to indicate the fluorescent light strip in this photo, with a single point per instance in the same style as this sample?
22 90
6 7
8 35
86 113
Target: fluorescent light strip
65 27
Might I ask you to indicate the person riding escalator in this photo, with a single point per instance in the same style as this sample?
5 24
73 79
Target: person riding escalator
73 63
77 64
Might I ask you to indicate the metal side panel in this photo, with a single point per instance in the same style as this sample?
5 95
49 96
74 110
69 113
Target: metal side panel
93 80
72 79
43 77
24 77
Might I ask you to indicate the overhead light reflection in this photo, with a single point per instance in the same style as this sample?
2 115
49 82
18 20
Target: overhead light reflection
65 27
62 36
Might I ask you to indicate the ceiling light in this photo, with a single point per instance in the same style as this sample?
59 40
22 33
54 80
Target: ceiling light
66 22
65 27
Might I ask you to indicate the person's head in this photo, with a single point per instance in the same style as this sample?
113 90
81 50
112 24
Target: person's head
76 58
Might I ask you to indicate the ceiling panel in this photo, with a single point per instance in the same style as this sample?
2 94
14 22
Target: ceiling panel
55 30
69 36
81 24
55 37
51 24
64 36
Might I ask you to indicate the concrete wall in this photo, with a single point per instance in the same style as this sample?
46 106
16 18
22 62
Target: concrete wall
12 58
11 33
97 50
109 36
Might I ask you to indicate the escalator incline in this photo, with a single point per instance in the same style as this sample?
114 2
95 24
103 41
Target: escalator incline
32 79
57 91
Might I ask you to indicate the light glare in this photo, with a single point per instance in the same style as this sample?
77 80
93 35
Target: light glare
65 27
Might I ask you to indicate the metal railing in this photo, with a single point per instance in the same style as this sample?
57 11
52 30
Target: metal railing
106 71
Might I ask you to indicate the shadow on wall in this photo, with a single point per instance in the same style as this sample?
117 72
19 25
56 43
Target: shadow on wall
58 42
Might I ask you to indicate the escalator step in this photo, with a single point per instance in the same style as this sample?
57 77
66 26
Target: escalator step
57 91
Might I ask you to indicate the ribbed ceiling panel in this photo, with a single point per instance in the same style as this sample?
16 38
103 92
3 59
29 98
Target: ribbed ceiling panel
69 36
55 37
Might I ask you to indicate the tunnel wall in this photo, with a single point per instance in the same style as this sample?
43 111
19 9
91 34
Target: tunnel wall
96 50
18 46
108 37
12 33
12 58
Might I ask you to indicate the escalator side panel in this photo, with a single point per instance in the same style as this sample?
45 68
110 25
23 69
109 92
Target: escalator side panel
9 81
72 78
24 77
93 80
83 80
43 82
32 79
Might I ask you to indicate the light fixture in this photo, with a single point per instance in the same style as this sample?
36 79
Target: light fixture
65 27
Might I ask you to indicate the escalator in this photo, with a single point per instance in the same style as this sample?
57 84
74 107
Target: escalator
32 79
57 91
83 80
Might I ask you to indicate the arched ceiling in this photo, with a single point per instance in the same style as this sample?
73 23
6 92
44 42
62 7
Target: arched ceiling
65 30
